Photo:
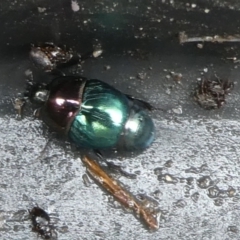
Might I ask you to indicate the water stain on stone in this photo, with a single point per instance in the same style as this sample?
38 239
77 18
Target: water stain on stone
204 182
167 178
213 192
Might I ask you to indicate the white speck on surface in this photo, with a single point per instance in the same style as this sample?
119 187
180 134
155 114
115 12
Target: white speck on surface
168 91
177 110
193 5
176 76
200 45
28 72
97 53
41 10
205 70
75 6
207 10
107 67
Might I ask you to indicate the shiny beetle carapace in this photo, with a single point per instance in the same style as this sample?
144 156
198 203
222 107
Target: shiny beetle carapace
95 115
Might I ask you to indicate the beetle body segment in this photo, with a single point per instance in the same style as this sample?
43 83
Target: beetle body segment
101 119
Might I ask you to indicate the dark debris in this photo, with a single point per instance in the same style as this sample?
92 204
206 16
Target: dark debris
211 94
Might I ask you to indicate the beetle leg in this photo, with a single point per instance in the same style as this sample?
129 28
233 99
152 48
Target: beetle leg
57 73
43 151
114 167
144 104
86 56
140 102
99 154
120 194
118 169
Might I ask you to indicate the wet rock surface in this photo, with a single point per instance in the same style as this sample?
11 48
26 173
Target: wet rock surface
191 172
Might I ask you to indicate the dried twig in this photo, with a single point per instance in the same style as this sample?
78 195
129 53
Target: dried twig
184 38
119 193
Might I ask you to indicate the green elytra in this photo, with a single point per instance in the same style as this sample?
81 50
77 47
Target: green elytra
107 118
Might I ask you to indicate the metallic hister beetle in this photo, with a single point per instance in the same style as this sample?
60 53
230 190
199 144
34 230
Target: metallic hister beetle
94 114
91 113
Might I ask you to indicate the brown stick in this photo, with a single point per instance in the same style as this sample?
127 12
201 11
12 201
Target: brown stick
183 38
119 193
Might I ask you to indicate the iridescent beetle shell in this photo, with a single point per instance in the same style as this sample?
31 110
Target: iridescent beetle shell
95 115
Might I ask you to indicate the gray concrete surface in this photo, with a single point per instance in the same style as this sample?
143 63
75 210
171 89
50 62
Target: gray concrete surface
197 148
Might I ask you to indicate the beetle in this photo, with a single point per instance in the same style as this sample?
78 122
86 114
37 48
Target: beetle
95 115
92 113
41 222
